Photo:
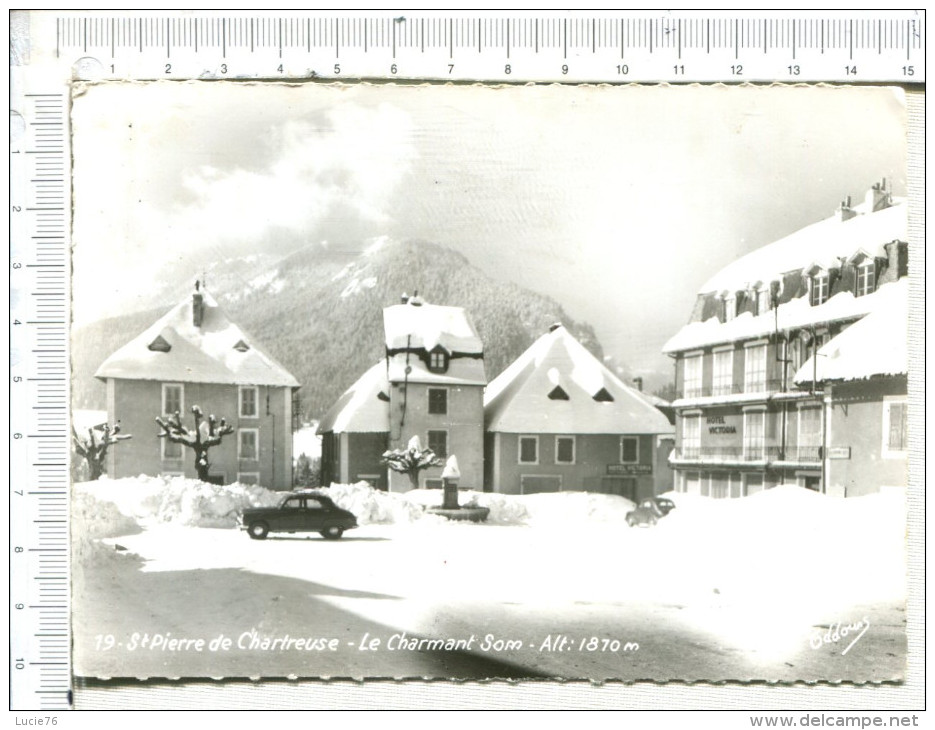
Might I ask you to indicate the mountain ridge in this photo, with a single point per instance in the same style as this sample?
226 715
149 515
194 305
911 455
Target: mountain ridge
319 312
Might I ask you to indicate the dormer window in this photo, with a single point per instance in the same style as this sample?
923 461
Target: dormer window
866 277
730 307
159 345
438 360
602 396
818 288
558 393
762 300
241 346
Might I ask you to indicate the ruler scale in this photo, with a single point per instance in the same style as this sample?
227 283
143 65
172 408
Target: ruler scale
619 47
39 543
691 48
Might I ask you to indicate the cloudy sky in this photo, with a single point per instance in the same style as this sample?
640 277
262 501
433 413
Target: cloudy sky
617 201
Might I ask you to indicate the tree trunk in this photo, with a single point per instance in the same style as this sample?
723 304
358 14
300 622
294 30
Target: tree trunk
95 469
202 467
414 479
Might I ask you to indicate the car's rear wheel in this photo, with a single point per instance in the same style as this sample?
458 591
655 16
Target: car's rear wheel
631 520
332 532
258 530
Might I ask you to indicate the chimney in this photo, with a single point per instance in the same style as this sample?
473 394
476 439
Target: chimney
638 384
404 299
198 306
878 197
845 210
554 326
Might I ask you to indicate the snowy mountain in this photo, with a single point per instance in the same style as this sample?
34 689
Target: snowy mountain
319 311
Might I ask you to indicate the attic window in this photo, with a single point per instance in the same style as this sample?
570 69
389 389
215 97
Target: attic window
438 360
602 396
558 393
159 344
241 346
383 396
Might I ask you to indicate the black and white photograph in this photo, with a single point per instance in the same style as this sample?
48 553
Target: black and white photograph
545 382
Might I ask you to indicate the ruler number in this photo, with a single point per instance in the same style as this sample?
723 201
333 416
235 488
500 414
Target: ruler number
19 606
20 663
223 68
909 71
337 69
507 69
18 209
16 265
17 378
393 69
737 70
850 70
279 68
794 70
17 436
17 549
168 68
678 69
451 67
564 69
623 69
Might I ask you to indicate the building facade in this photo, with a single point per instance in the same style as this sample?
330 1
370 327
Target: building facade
430 384
195 355
558 420
751 410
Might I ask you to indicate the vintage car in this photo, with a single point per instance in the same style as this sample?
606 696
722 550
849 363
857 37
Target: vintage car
299 512
649 511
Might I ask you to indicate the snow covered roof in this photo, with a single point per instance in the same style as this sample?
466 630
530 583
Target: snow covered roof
175 349
793 314
362 408
823 244
876 345
418 325
557 386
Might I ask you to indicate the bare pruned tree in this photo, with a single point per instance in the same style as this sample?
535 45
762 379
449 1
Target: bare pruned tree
204 436
411 460
93 449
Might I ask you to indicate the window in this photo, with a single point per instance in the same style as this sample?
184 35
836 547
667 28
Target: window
248 444
754 369
249 395
809 434
730 307
691 437
173 399
692 374
438 401
438 361
866 277
438 443
159 344
723 372
564 449
753 484
895 427
241 346
754 435
629 450
818 285
248 477
762 301
528 449
171 451
603 396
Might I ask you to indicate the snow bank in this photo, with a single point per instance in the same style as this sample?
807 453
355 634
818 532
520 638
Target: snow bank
179 500
371 506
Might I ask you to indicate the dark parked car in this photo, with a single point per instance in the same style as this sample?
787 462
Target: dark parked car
299 512
649 511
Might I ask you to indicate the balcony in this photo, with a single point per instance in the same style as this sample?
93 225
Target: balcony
720 454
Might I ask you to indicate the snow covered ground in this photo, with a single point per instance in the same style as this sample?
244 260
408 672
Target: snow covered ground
719 589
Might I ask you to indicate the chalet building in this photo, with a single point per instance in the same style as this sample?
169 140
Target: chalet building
195 355
755 406
430 384
558 420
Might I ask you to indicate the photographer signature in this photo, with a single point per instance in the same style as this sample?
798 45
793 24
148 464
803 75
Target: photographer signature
837 632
